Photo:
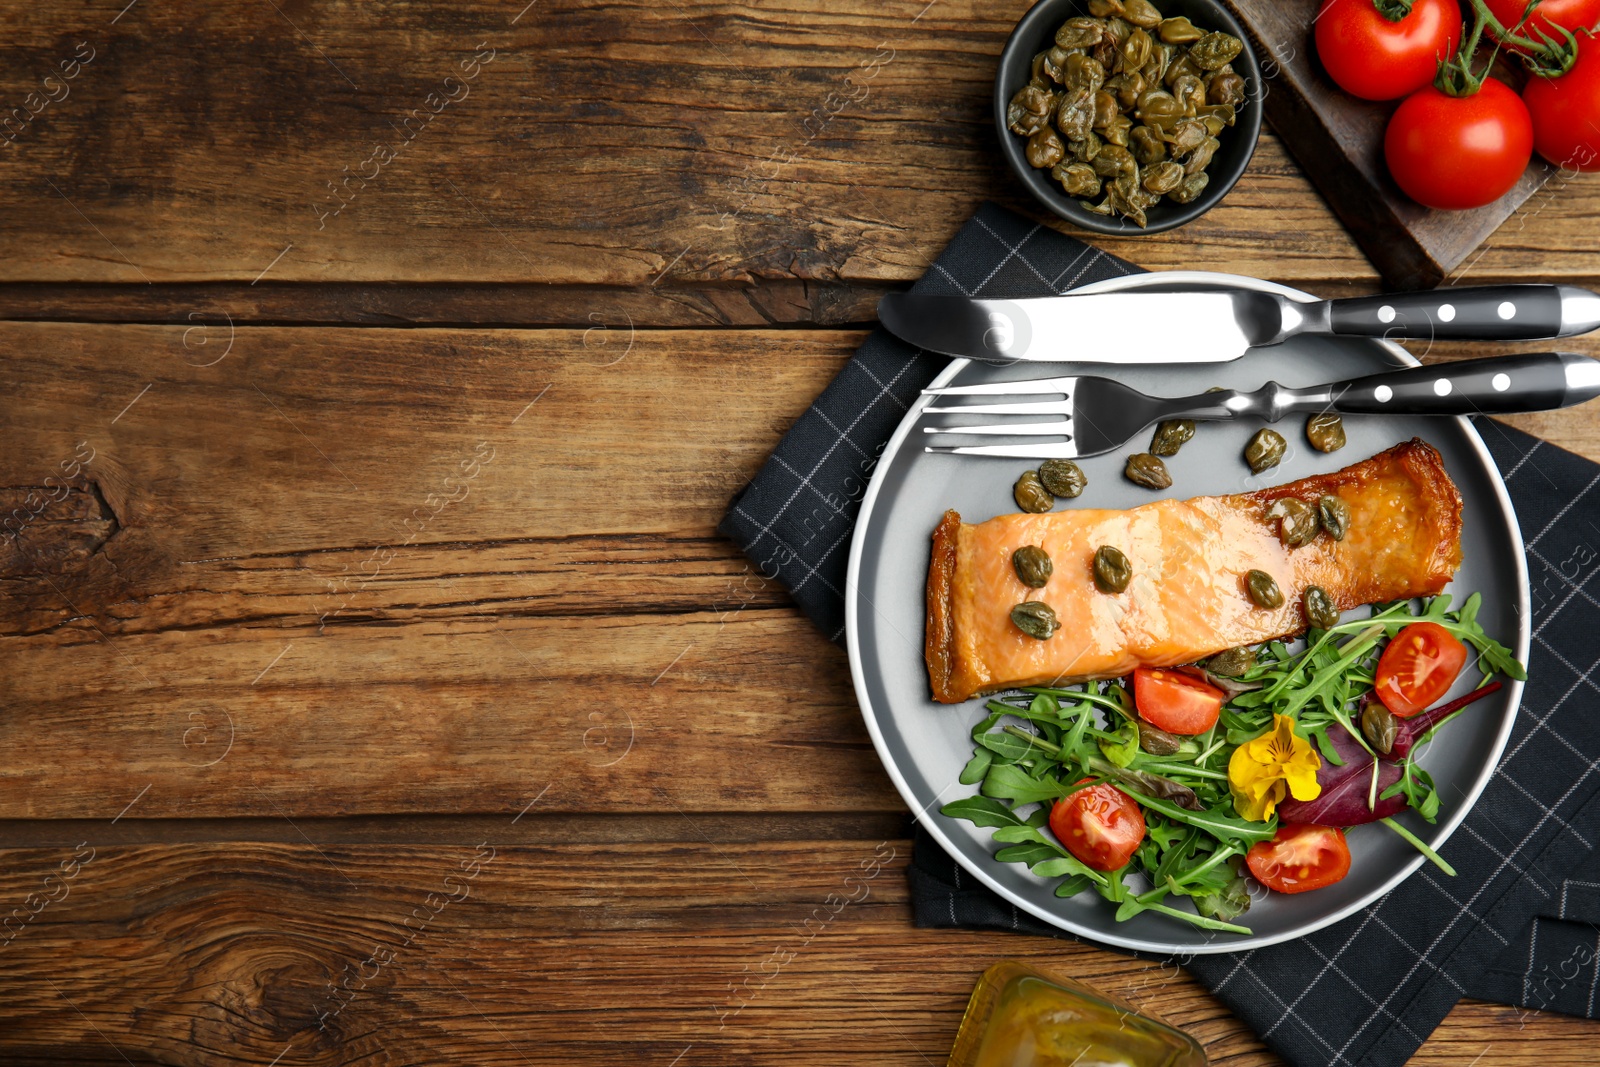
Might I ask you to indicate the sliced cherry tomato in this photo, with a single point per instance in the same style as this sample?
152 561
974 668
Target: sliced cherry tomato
1566 110
1418 668
1550 14
1459 152
1176 702
1376 59
1300 857
1099 824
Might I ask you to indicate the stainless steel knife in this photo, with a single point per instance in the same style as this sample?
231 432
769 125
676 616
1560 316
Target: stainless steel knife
1215 326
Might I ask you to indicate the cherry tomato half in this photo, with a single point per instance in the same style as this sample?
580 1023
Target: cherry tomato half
1376 59
1566 110
1099 824
1176 702
1550 14
1459 152
1300 857
1418 668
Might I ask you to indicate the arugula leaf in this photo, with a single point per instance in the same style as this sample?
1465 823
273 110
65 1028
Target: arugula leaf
1031 853
1045 704
1011 835
1073 886
1007 781
976 767
981 811
1214 822
988 722
1059 865
1009 748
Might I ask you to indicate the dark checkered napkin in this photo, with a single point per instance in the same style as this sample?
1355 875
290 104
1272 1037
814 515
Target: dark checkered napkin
1520 924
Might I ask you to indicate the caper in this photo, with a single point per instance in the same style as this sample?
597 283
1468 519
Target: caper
1136 50
1379 727
1178 30
1179 67
1116 131
1146 145
1186 135
1263 590
1112 571
1032 565
1035 618
1078 179
1191 93
1320 609
1232 663
1335 516
1075 114
1083 72
1141 13
1225 87
1298 522
1163 178
1103 8
1156 104
1215 50
1325 432
1158 742
1190 190
1265 450
1170 436
1148 471
1062 477
1029 111
1031 495
1044 149
1200 158
1081 33
1114 161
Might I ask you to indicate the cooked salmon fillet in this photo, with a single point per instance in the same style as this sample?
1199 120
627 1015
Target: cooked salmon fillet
1187 598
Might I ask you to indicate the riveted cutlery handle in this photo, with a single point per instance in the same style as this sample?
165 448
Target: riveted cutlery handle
1476 313
1498 385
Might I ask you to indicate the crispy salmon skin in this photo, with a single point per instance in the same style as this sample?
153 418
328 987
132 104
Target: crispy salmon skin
1187 598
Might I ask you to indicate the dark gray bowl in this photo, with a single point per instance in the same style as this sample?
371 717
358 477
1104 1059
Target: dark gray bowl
1034 34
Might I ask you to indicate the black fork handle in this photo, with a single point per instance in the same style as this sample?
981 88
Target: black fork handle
1497 385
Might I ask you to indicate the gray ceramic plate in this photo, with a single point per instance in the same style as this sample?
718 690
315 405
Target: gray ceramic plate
924 745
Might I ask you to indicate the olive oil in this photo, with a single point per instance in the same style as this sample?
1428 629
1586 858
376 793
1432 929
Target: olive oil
1022 1017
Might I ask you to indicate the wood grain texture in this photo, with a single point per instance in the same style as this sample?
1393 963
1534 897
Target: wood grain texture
636 146
1338 139
296 618
487 953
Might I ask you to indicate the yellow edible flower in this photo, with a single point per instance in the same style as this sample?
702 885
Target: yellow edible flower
1278 762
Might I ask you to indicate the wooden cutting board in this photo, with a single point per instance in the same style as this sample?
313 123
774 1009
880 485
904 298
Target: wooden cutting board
1338 140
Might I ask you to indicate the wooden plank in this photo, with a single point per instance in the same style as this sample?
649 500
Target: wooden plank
629 145
1338 139
488 953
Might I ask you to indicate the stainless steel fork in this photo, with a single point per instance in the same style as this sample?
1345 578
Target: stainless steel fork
1099 414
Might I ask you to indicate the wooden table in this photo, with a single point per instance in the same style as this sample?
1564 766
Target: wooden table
375 686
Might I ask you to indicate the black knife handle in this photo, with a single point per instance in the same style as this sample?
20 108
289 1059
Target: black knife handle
1471 313
1498 385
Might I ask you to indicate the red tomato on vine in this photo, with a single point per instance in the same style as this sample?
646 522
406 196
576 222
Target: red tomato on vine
1378 57
1458 152
1566 110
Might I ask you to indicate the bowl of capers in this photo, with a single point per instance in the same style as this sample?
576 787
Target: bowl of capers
1128 116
